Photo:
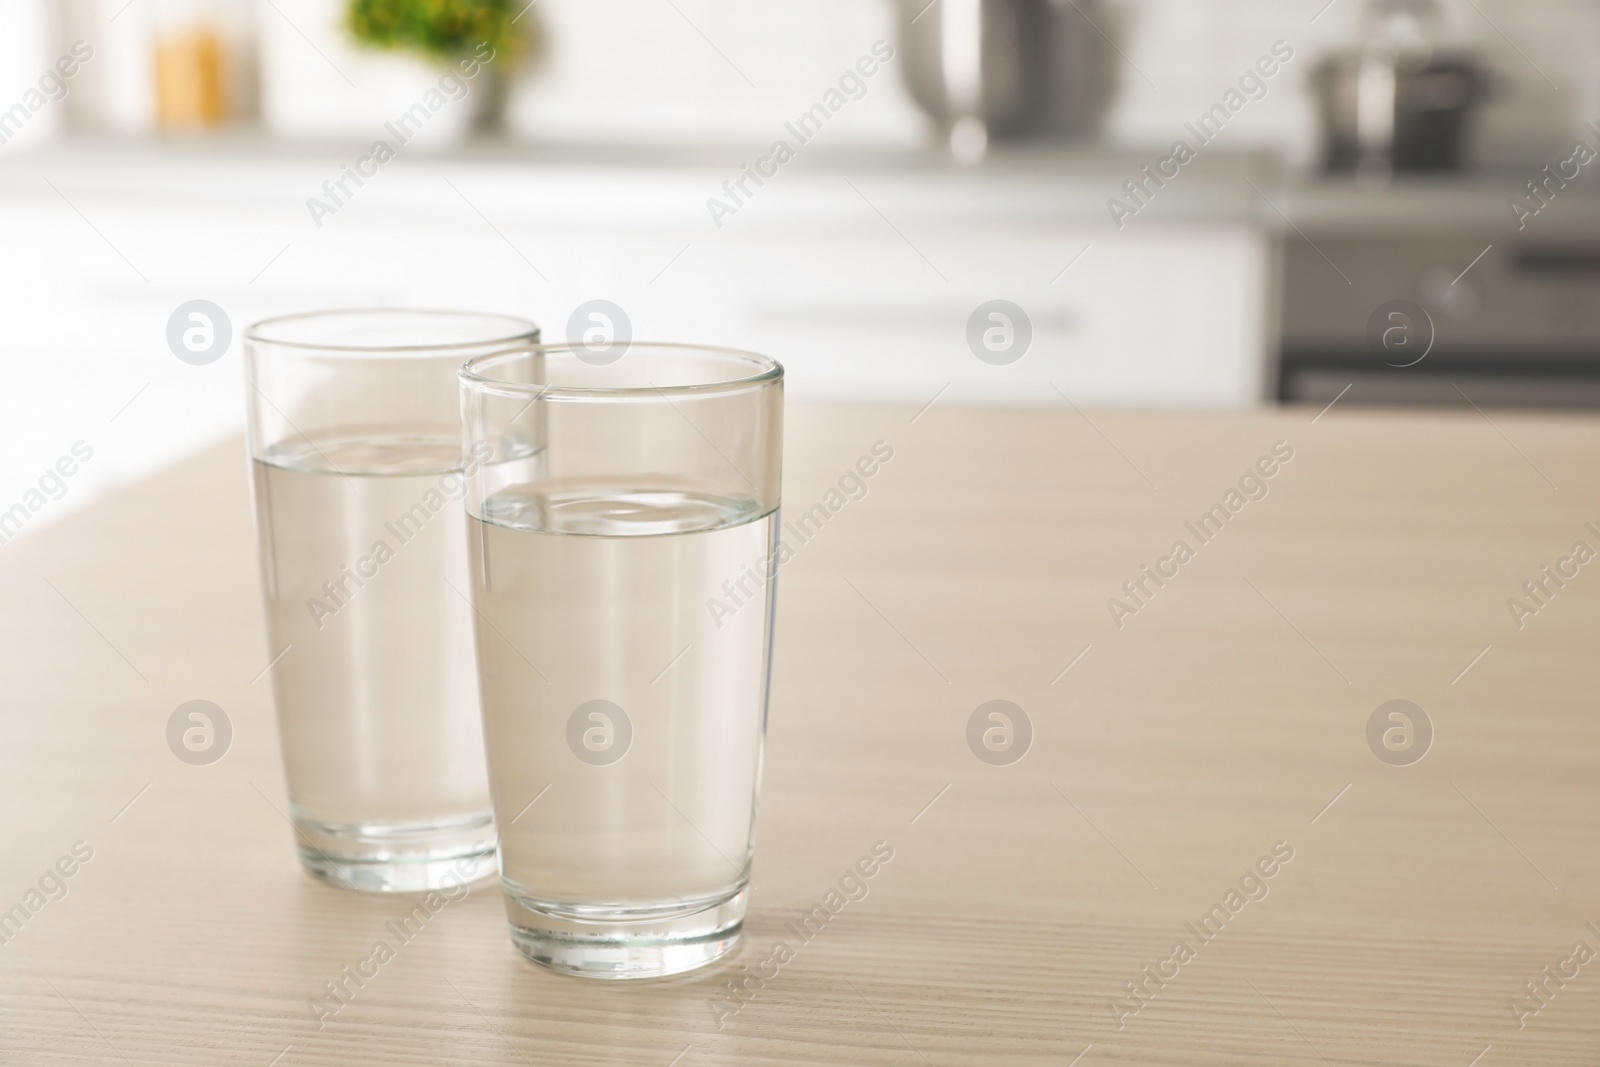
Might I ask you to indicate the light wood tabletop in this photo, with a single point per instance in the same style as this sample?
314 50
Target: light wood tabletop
1200 858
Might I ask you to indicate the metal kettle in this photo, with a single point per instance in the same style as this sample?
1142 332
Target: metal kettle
989 69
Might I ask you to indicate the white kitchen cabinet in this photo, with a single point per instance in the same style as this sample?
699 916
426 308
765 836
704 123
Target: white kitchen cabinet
858 273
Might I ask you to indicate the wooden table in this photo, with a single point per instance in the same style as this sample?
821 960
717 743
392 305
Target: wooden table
1169 756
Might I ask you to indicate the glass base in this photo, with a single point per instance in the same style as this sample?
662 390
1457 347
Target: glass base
607 942
398 858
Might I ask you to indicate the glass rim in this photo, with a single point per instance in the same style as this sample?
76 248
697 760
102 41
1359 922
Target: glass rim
259 332
766 371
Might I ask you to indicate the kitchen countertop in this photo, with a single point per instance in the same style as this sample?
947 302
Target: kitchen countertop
1028 179
1447 205
1225 719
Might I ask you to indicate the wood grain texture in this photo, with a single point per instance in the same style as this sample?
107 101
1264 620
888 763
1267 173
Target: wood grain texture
1222 718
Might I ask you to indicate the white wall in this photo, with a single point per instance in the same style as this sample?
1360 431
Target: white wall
710 70
638 70
719 71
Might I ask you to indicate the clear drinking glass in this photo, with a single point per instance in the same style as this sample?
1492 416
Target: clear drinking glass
355 440
623 533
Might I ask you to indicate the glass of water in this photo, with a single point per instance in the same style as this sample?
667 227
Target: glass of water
355 438
623 538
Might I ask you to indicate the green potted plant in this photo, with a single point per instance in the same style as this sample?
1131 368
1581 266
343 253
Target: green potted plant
477 41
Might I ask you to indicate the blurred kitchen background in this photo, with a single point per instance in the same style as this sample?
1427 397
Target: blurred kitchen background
1365 160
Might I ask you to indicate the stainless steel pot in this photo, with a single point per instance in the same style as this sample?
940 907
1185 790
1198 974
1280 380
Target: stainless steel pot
1386 111
1006 68
1397 102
